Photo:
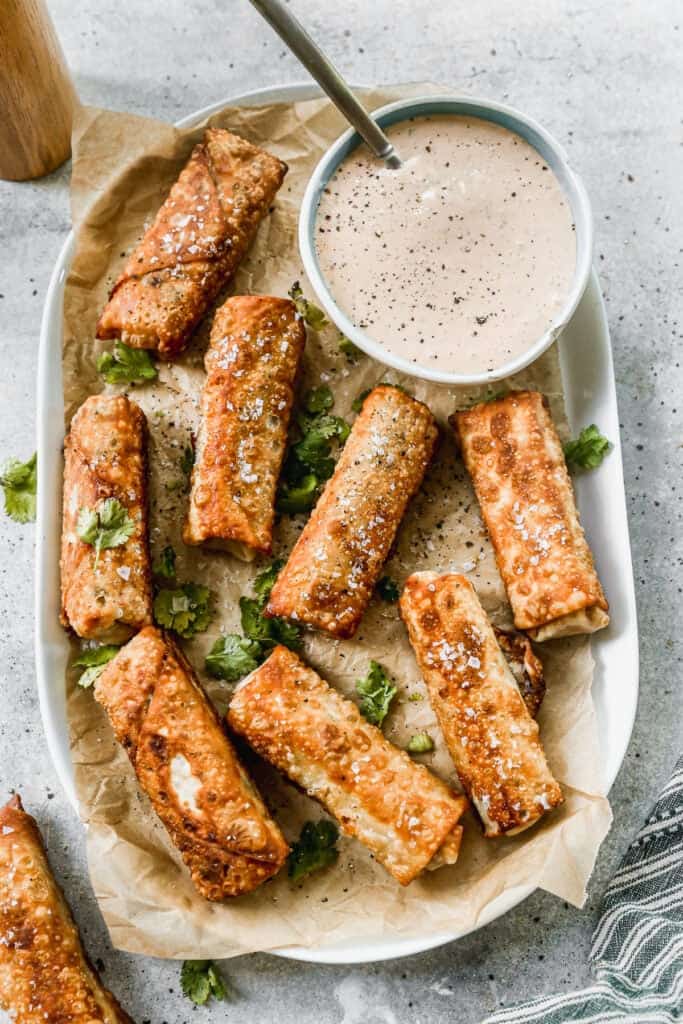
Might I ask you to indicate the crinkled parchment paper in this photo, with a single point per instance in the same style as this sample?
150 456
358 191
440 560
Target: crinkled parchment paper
123 168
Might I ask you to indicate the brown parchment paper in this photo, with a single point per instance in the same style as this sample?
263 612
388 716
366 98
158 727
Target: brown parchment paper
123 167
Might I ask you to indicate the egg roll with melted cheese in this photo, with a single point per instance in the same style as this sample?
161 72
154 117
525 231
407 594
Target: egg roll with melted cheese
188 767
319 739
199 236
514 456
251 365
492 738
335 564
106 596
45 974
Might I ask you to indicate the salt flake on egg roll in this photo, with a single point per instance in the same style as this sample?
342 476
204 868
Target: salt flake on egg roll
251 365
45 974
398 809
106 592
492 738
199 236
514 456
335 564
188 768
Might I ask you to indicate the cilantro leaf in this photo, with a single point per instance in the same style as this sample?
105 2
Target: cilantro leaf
347 347
298 497
307 310
268 632
357 403
126 365
388 589
265 581
420 743
94 660
185 610
587 450
318 399
315 849
106 526
18 481
286 633
200 980
233 657
314 452
377 692
165 563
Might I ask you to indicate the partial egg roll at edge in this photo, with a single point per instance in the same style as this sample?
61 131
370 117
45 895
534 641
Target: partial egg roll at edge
197 240
335 564
106 595
188 767
492 738
513 454
45 974
256 346
319 739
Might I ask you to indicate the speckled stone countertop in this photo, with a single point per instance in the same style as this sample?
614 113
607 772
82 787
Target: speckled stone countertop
605 78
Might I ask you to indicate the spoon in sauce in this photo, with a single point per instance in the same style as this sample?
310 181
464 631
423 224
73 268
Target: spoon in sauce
292 32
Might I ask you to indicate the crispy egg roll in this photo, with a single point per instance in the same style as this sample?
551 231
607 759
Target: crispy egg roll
45 974
319 739
514 456
492 738
251 365
199 236
338 558
188 768
106 596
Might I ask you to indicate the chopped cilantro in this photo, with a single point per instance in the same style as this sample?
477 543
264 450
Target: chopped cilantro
357 403
306 309
126 365
185 610
309 460
420 743
318 399
94 661
18 481
315 849
587 450
200 980
165 563
377 692
347 347
233 656
298 497
388 589
108 525
265 581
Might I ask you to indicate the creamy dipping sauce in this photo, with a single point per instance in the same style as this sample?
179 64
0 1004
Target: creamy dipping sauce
458 261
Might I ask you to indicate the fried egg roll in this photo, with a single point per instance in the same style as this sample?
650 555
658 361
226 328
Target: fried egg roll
199 236
514 456
492 738
251 365
45 974
338 558
319 739
106 594
188 768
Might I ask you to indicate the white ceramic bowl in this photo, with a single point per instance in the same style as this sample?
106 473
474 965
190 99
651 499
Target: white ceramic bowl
487 110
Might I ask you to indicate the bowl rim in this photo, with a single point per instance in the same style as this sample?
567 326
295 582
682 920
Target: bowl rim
499 113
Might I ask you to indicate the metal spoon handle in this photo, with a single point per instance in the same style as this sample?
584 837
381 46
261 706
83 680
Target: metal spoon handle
292 32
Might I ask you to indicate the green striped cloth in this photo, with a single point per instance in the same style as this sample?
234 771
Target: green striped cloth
637 951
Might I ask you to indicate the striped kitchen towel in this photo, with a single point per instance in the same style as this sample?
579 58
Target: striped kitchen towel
637 951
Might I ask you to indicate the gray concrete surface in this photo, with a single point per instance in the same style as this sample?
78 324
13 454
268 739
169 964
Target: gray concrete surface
605 77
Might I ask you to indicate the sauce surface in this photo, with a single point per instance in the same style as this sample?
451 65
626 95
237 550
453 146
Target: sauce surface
459 260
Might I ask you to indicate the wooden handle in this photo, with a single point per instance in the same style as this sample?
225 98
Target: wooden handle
37 96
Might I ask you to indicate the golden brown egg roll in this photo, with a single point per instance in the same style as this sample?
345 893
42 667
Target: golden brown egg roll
492 738
251 365
45 974
199 236
188 768
319 739
338 558
106 595
514 456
